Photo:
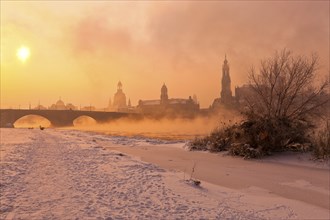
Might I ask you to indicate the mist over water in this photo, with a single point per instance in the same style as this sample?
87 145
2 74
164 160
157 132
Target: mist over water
169 129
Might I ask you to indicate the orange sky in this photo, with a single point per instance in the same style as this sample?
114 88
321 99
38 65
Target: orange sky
80 50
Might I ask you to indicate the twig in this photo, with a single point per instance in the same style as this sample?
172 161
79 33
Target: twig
192 171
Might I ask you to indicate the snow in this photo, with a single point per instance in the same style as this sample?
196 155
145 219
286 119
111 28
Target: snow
64 174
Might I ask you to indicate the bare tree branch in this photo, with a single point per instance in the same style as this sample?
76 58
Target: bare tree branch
283 88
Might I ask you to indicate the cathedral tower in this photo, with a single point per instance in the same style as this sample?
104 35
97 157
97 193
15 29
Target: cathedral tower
163 95
226 94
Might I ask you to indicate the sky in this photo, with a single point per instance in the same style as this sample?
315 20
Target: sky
79 50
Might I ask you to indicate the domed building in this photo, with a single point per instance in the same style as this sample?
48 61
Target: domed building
59 105
119 99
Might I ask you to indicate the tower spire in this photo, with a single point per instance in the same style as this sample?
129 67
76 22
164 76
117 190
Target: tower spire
226 94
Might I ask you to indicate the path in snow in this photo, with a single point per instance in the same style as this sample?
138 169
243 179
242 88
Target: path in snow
53 175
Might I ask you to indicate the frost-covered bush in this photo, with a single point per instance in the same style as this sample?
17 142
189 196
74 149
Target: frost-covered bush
256 137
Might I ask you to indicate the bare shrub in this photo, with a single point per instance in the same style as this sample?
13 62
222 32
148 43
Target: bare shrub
255 138
285 100
273 135
199 144
285 87
245 150
219 139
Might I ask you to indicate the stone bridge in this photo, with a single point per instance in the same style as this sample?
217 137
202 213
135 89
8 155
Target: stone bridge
60 118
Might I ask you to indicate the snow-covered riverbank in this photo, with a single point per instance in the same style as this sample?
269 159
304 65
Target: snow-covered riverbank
63 174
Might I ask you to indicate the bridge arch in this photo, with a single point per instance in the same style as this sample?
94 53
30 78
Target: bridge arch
31 120
84 120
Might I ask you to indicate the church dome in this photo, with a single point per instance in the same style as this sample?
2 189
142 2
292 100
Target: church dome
60 103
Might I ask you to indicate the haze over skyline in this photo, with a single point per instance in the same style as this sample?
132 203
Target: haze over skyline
80 50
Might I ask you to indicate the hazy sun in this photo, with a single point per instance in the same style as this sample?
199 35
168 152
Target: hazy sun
23 53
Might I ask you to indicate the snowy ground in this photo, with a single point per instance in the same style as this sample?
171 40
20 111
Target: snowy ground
62 174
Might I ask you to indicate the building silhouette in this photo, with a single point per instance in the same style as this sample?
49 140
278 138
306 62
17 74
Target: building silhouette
40 107
226 94
119 99
88 108
226 98
163 95
242 94
168 107
60 105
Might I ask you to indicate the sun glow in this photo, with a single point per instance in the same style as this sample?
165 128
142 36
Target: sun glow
23 53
